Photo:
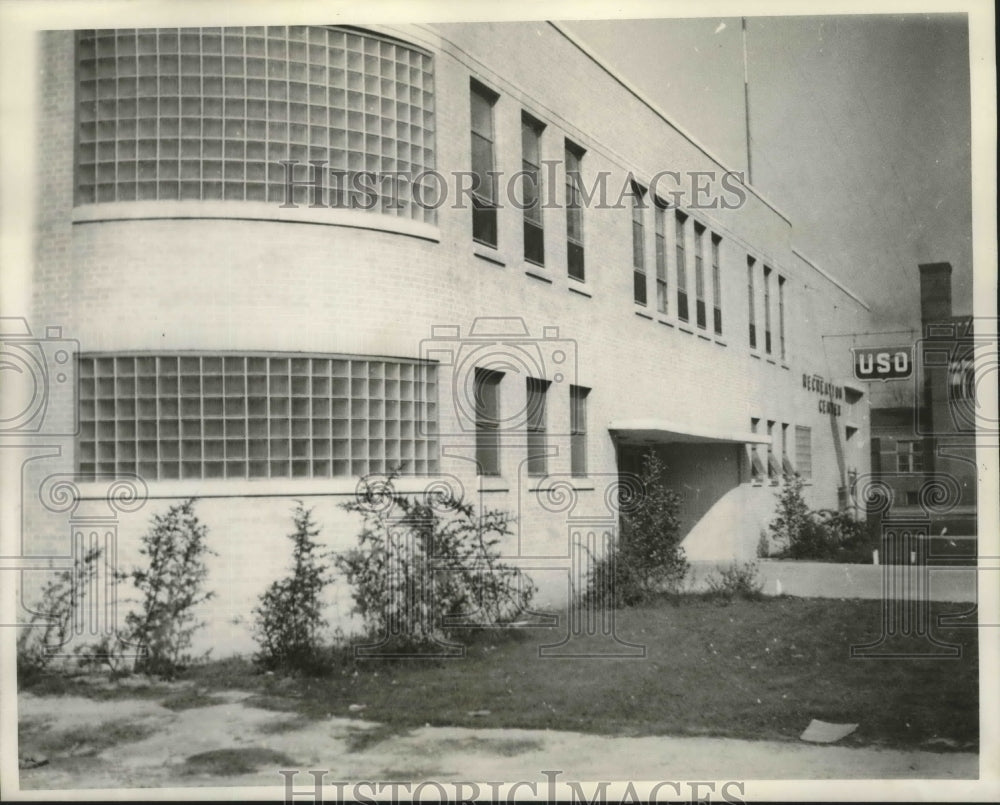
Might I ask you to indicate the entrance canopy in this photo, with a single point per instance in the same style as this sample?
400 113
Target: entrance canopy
660 431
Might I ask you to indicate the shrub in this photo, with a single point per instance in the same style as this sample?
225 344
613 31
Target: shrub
736 581
763 545
850 540
648 558
171 587
826 535
423 569
792 516
48 630
288 618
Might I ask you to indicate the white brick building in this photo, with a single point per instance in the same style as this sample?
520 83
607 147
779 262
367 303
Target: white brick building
246 352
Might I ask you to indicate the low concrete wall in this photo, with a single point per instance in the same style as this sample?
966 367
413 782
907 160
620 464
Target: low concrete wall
831 580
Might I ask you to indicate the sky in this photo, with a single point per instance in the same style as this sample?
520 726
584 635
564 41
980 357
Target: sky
859 130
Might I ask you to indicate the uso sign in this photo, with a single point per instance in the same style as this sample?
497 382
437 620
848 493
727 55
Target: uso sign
883 363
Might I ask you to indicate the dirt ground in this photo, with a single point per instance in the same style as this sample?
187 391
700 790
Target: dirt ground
222 739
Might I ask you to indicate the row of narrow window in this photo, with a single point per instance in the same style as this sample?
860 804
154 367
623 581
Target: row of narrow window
484 230
769 346
681 223
484 197
490 424
772 466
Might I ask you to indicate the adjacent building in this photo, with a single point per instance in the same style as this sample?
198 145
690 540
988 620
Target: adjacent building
925 453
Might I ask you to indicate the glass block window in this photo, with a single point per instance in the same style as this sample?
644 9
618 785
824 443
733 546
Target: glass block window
255 416
752 311
209 113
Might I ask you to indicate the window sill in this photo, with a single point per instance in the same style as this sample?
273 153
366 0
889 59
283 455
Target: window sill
665 323
546 483
785 366
493 483
489 255
684 329
720 342
772 361
260 487
252 211
643 314
755 355
579 291
539 277
704 337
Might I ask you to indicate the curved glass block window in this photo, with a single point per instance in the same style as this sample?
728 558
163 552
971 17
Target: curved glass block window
209 113
255 416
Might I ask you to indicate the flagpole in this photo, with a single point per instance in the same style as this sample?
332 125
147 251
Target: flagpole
746 99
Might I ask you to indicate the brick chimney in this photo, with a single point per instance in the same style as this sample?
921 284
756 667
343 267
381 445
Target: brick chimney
935 292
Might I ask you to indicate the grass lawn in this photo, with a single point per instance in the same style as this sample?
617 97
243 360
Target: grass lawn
747 670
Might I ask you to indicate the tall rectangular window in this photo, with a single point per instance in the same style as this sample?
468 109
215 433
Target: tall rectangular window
773 468
716 286
803 451
909 456
487 403
536 426
660 211
699 275
767 310
786 463
578 430
682 297
756 465
638 246
531 181
752 313
574 212
484 196
781 316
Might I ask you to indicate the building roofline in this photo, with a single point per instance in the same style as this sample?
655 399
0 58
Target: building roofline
643 98
831 278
